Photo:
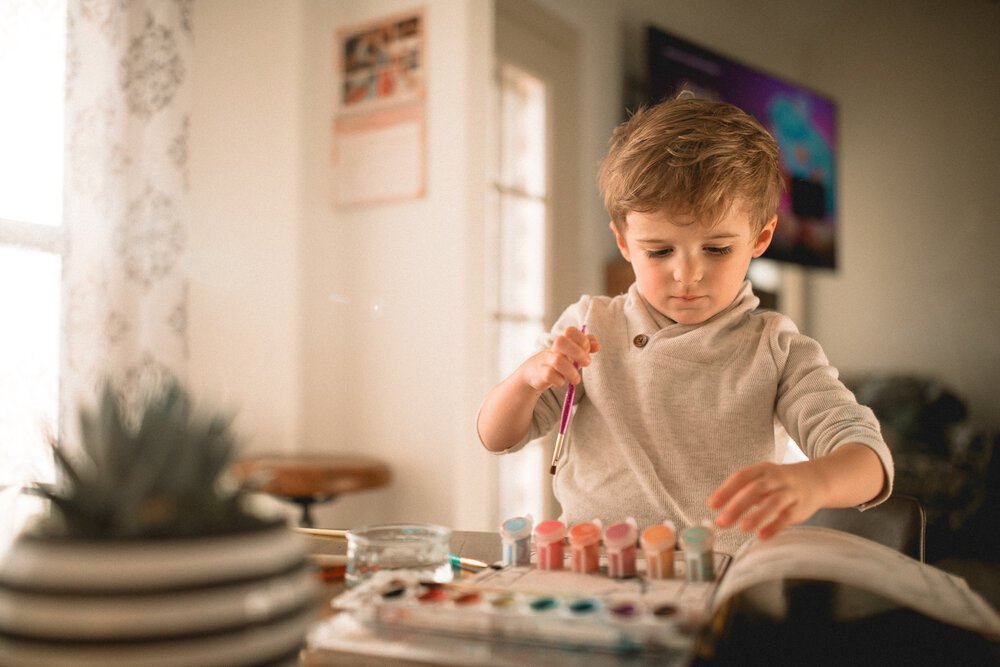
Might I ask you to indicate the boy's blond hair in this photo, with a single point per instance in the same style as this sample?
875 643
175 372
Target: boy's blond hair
693 157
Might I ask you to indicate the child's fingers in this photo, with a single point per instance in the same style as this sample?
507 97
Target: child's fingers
765 498
743 490
733 484
548 377
568 369
764 512
560 363
577 338
779 523
574 346
588 342
557 369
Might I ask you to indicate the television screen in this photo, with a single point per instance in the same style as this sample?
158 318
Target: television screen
803 122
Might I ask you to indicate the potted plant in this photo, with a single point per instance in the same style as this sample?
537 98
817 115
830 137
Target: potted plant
150 554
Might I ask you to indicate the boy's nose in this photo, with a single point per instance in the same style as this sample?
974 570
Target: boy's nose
687 271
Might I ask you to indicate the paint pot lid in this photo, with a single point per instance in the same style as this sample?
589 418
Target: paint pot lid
620 535
516 528
584 534
659 536
697 538
550 531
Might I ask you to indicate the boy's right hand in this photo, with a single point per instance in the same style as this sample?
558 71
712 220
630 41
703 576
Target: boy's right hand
505 416
560 362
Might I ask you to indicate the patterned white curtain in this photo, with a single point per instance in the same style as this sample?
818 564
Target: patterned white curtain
126 196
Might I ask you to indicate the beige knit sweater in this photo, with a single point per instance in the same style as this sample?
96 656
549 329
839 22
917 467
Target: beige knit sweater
667 411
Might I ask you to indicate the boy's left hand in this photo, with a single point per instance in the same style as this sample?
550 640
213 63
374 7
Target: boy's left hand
773 496
769 497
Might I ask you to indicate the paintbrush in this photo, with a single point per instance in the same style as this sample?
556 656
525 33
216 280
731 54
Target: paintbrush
323 532
567 411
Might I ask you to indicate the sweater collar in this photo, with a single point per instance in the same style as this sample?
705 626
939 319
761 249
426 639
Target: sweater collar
745 302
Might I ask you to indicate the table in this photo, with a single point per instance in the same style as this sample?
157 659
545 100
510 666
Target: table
741 635
484 546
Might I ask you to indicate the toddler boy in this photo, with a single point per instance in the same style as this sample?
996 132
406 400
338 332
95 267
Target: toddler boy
685 382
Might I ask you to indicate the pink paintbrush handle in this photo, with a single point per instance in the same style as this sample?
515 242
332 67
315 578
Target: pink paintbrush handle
567 410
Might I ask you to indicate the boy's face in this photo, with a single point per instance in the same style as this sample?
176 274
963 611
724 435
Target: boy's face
685 271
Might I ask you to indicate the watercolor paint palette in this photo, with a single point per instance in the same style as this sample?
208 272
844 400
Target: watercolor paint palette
525 605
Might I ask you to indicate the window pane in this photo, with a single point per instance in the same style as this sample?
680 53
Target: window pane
29 365
522 480
523 216
522 270
522 159
32 65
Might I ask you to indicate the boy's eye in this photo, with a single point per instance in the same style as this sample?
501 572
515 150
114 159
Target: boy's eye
711 250
719 250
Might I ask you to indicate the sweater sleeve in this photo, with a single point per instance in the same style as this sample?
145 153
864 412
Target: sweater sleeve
819 413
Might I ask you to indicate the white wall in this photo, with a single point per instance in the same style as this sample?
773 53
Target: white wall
394 371
341 330
243 246
919 94
916 84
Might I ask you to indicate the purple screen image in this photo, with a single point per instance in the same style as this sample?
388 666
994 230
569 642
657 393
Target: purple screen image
802 121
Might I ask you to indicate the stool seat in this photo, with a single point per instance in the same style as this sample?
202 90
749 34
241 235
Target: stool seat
310 478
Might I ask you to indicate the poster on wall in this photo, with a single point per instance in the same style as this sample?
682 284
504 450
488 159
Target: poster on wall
803 122
379 127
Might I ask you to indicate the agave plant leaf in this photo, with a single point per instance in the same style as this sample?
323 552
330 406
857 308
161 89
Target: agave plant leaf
158 475
216 450
116 453
162 437
87 504
103 435
64 466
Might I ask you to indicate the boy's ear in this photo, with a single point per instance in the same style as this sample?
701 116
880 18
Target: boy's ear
622 246
765 236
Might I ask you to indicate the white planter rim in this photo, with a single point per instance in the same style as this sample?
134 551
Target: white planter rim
63 565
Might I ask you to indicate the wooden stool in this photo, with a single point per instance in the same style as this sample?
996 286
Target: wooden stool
307 479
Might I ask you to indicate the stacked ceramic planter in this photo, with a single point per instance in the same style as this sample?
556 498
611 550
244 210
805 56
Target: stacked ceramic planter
240 599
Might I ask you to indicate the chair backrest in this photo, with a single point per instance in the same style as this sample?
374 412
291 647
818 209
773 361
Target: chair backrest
900 522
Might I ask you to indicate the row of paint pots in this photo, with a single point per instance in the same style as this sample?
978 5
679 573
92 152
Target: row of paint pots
658 543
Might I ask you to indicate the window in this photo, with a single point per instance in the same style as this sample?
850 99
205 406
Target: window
32 66
520 232
537 190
